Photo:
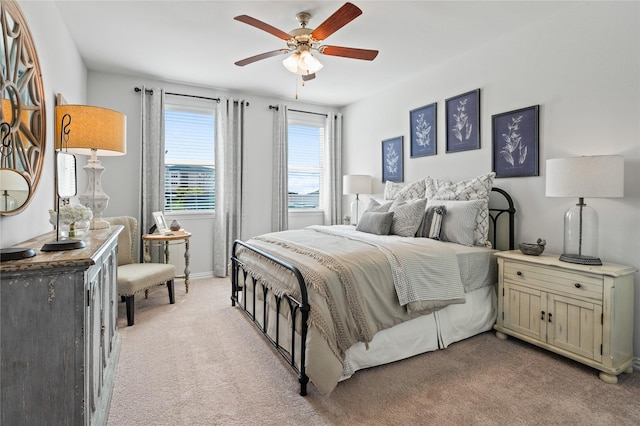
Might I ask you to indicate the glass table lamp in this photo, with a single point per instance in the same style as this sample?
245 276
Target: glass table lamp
584 177
356 184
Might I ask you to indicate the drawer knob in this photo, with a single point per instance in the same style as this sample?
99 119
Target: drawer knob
519 273
577 285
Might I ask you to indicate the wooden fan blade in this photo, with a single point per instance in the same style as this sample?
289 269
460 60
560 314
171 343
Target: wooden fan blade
341 17
265 55
263 26
349 52
308 77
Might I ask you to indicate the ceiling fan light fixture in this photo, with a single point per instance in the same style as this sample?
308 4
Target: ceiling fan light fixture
311 63
302 63
291 62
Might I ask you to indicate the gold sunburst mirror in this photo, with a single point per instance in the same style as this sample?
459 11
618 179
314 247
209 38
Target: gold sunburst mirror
23 106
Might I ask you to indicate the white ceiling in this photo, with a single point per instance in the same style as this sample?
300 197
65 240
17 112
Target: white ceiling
197 42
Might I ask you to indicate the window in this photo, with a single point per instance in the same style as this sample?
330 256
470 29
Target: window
189 162
305 168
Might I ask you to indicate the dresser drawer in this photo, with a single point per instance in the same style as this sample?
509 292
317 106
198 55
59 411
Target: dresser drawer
554 279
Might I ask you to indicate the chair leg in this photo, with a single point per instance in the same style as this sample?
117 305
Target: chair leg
130 305
172 298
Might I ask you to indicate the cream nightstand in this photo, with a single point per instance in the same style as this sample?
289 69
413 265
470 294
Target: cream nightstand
582 312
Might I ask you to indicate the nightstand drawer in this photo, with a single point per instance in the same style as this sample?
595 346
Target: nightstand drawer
554 279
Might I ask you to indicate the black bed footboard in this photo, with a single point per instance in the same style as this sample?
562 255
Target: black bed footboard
238 296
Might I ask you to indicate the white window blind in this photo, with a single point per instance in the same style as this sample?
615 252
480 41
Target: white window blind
305 162
189 179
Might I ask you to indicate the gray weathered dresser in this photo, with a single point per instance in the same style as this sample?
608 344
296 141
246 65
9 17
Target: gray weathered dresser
58 340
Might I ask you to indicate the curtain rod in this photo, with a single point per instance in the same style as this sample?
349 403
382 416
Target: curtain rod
137 89
297 110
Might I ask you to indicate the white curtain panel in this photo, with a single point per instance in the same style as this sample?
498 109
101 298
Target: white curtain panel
280 197
228 154
332 201
152 164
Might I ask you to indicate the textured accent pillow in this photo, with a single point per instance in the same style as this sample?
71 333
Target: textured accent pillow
413 191
478 188
459 224
432 223
391 190
377 206
407 216
375 222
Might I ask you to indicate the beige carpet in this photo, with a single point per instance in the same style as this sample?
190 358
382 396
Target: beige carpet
201 362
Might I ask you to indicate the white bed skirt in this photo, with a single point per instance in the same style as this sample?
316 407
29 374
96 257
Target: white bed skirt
426 333
419 335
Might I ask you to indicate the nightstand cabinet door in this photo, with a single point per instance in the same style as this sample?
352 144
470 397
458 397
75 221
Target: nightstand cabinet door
575 326
525 310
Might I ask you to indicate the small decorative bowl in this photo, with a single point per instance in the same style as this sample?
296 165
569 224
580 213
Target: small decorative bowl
533 249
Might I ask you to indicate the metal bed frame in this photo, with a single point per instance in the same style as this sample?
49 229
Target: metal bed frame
301 307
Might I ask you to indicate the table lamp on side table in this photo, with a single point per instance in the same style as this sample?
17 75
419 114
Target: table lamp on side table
356 184
584 177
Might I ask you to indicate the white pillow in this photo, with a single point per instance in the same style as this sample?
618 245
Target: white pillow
413 191
378 206
407 216
459 223
391 190
478 188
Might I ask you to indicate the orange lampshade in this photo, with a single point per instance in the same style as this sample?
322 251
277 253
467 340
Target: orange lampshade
92 128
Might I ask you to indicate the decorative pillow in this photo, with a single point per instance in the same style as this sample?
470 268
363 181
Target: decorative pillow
478 188
407 216
377 206
413 191
459 223
391 190
375 222
432 223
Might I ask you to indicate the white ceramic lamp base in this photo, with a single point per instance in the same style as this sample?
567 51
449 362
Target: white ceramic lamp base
94 196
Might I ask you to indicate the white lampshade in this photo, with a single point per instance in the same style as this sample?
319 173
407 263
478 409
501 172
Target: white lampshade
584 177
599 176
356 184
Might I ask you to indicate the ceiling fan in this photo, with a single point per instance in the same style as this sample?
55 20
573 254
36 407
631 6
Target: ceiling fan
302 41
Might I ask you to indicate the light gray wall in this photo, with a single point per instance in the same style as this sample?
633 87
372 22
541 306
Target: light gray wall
582 68
121 177
62 72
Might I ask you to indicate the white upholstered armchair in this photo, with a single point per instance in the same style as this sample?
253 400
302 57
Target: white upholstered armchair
135 277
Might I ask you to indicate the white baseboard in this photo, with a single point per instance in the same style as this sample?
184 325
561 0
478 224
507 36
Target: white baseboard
636 363
197 275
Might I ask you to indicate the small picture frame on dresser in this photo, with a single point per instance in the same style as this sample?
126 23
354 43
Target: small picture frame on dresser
161 223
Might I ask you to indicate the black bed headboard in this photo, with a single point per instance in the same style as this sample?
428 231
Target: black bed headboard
496 212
